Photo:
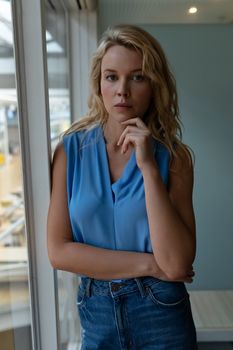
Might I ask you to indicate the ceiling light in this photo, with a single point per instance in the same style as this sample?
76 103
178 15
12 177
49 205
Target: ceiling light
192 10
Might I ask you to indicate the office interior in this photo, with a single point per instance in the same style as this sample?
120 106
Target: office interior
45 52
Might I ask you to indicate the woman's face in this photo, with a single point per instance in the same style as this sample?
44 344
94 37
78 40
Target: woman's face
125 91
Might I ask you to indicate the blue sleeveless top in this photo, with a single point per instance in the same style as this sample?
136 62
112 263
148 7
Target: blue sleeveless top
104 214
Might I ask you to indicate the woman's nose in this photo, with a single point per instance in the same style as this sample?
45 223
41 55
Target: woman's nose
123 88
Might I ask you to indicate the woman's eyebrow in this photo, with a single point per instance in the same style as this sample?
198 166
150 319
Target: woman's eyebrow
113 70
109 70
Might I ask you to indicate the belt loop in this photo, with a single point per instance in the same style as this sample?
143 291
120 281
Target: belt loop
88 287
140 286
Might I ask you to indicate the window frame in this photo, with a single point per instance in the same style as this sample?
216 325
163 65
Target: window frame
34 128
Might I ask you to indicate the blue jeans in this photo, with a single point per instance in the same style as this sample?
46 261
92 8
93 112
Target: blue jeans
139 313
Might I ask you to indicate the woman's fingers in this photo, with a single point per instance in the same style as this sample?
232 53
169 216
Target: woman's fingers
135 130
138 121
128 129
129 138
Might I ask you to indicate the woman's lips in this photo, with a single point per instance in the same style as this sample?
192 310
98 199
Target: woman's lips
122 106
122 109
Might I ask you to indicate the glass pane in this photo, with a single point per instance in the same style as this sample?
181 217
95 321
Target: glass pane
15 318
58 73
60 120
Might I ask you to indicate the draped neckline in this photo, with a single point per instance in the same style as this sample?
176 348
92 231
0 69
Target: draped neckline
127 168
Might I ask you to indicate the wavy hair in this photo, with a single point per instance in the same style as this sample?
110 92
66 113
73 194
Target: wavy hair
163 118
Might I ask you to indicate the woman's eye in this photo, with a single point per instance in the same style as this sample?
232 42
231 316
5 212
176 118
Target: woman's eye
111 77
138 77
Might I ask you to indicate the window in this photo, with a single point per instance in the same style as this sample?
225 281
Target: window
15 314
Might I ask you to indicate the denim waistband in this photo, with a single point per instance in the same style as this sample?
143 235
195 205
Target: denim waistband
116 288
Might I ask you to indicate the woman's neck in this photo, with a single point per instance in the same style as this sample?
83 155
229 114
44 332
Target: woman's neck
112 133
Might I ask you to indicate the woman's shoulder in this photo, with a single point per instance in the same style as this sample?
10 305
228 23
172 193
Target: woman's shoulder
183 160
160 147
181 155
72 135
81 135
162 153
77 140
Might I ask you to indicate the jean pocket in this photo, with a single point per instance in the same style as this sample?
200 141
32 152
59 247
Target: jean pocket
168 294
81 296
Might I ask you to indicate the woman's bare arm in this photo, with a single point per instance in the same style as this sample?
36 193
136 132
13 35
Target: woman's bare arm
170 215
99 263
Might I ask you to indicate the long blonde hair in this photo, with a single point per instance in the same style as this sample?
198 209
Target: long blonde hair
163 119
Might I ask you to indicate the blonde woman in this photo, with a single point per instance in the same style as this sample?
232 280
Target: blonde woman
121 214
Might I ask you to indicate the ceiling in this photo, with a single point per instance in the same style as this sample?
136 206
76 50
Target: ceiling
164 11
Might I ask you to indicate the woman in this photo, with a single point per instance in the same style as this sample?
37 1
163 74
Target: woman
121 214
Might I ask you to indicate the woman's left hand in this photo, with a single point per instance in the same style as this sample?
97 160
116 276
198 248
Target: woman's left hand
137 133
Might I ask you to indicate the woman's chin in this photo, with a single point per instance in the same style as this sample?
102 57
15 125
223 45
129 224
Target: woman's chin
121 117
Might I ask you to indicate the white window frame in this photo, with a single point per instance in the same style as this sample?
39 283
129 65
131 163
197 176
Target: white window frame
33 109
34 124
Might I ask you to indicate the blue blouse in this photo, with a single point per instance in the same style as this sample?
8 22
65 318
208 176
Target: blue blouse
104 214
